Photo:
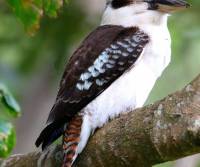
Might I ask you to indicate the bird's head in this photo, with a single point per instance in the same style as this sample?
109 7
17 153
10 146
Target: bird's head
166 6
127 9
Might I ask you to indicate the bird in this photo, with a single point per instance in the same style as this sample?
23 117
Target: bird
112 71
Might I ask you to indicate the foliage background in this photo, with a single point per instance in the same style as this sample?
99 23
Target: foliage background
32 66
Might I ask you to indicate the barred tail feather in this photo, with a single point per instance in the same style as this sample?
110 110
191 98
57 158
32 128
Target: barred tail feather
71 138
74 139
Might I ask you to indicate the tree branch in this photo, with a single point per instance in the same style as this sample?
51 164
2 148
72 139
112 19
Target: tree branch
164 131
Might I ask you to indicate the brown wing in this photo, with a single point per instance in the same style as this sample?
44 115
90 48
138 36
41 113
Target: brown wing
102 58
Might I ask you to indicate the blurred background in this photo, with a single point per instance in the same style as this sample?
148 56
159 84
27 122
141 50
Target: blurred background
32 66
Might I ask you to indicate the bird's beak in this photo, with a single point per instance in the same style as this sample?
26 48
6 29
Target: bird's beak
169 6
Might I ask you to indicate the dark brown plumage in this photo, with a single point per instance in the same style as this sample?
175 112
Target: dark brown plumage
107 53
69 99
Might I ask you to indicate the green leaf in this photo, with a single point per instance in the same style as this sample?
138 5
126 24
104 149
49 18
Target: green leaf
51 7
7 138
9 102
30 12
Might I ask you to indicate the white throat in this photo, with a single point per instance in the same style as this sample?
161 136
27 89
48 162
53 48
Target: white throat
134 15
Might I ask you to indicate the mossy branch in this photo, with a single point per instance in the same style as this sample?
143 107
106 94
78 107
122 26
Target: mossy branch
166 130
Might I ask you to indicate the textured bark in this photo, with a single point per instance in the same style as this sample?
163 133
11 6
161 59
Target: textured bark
164 131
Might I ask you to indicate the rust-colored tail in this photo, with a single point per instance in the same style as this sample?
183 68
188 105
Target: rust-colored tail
71 139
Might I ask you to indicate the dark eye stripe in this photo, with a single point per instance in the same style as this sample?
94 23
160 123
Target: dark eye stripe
120 3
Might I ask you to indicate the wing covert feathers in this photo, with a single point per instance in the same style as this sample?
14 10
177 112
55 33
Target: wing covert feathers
102 58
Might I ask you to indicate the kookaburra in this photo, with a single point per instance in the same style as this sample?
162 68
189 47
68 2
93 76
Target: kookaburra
112 72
